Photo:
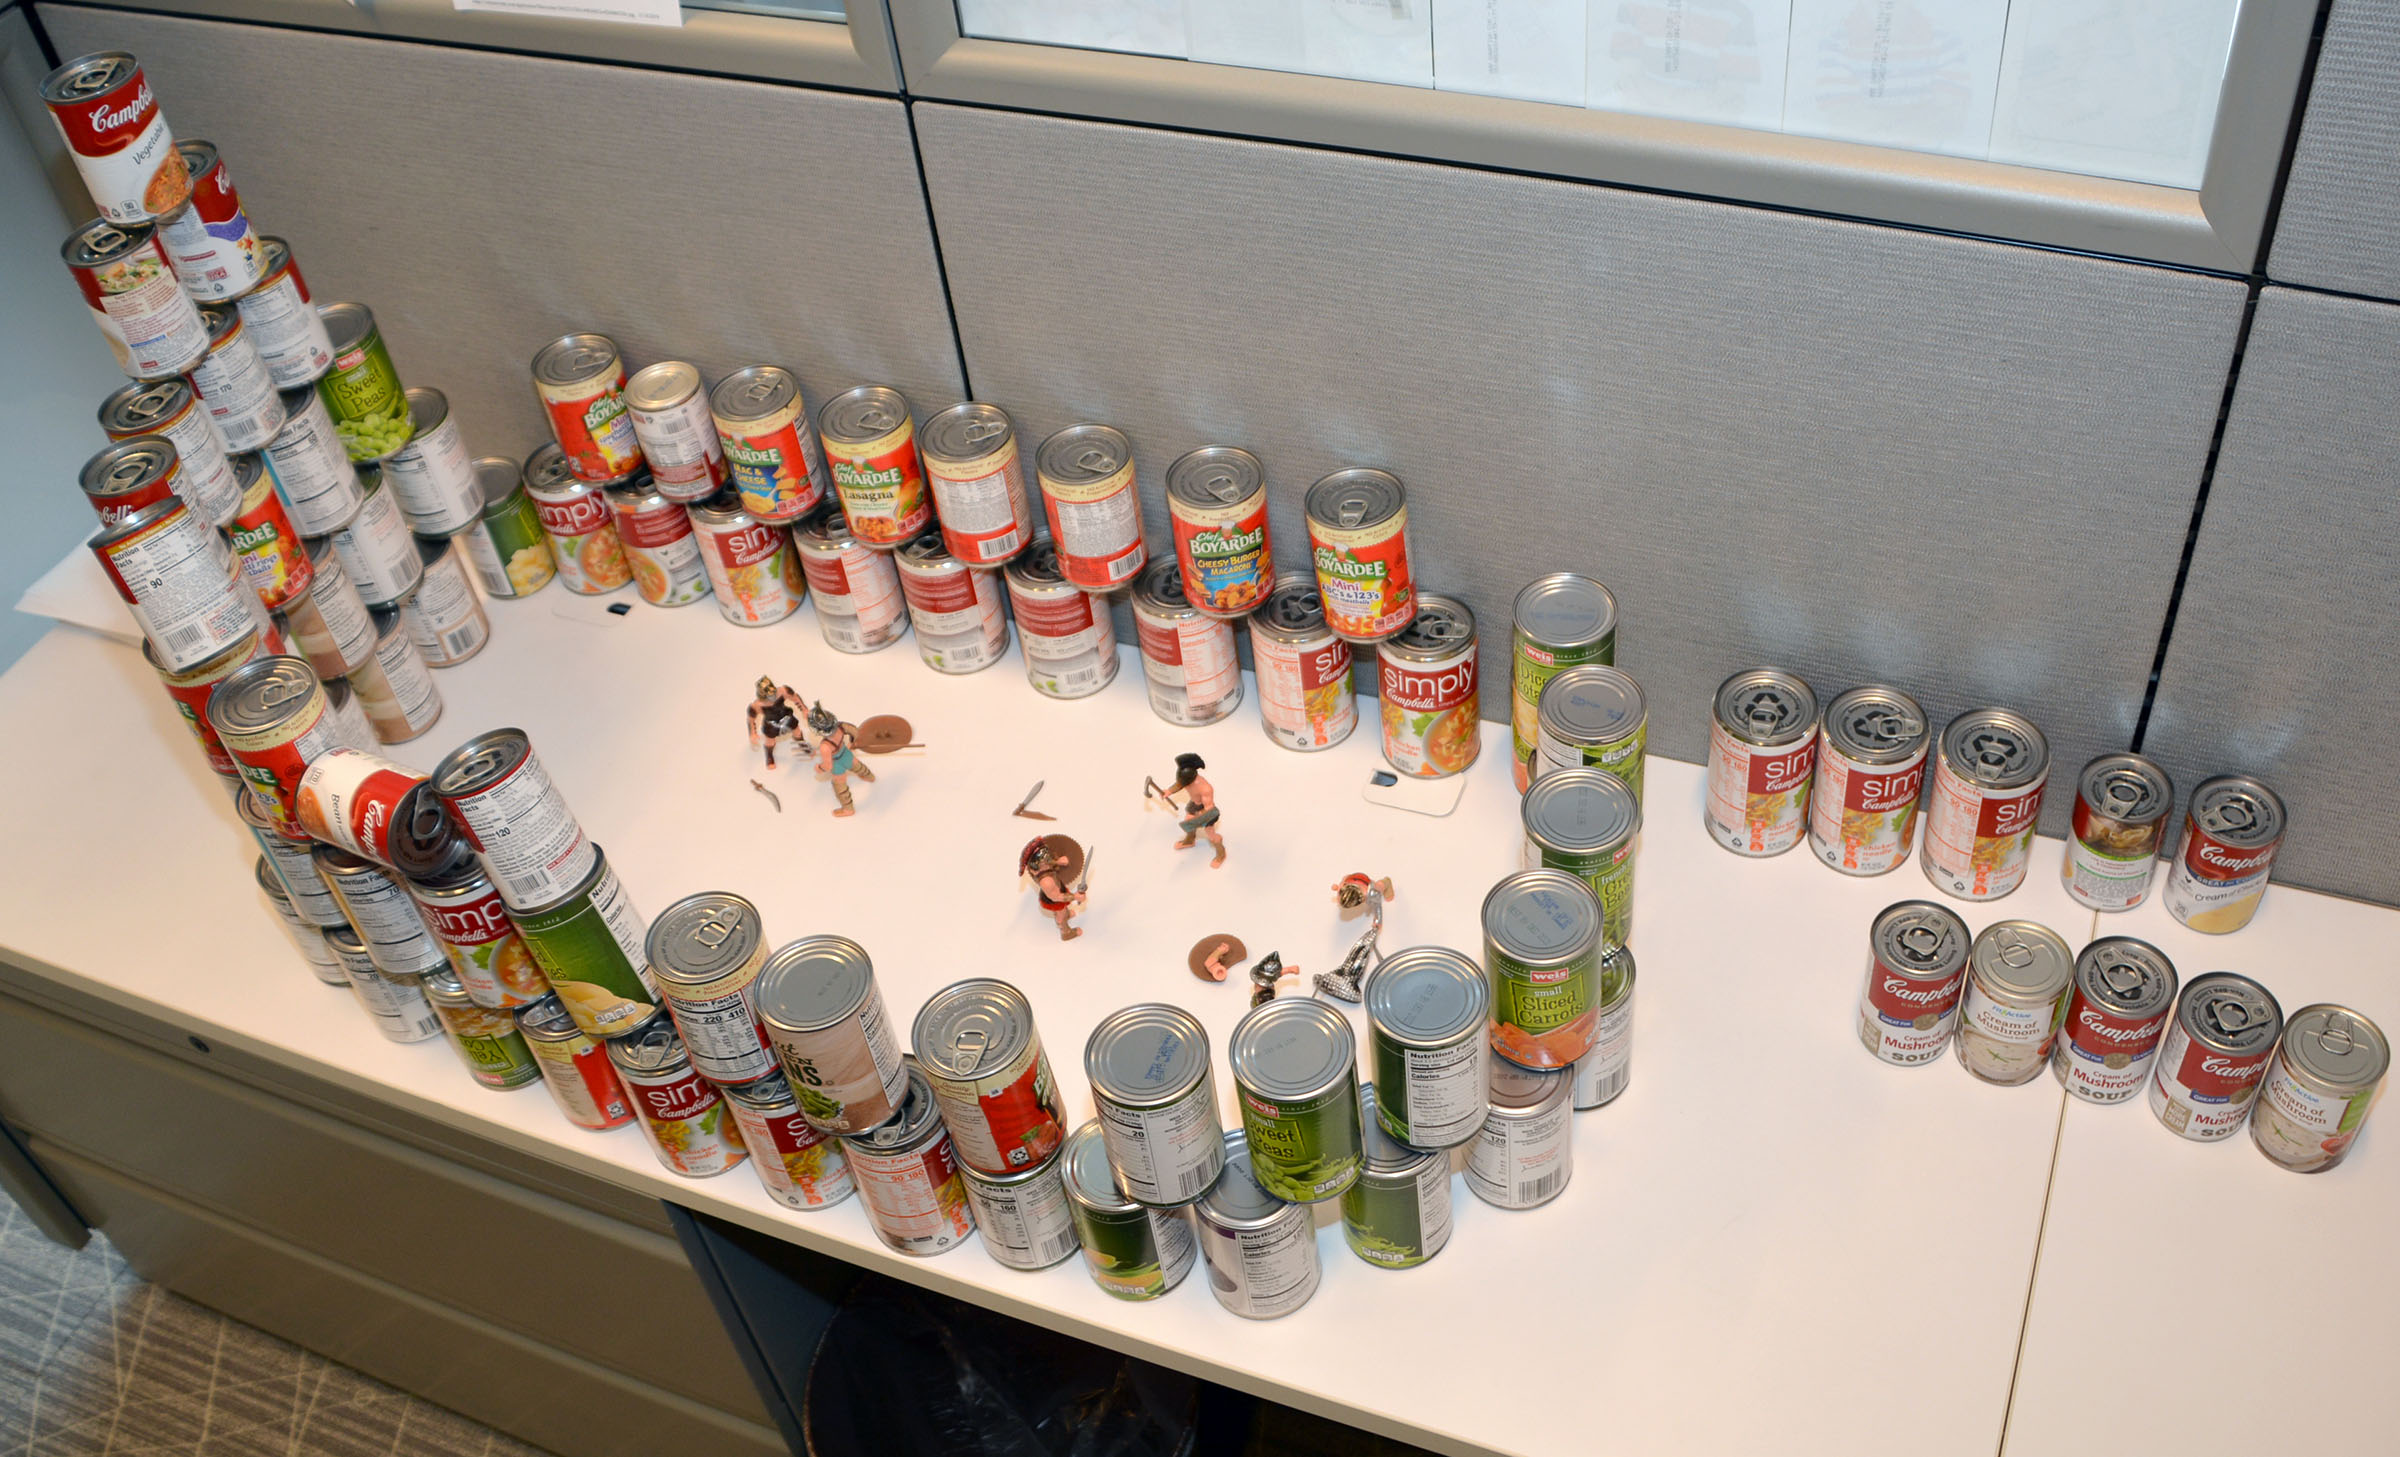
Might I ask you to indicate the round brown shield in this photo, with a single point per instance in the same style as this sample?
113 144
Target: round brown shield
884 733
1070 858
1235 954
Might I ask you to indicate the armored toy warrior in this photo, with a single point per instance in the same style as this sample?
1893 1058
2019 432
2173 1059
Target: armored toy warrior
1199 808
837 756
775 714
1059 901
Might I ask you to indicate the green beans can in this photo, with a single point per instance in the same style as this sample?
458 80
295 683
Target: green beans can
1541 948
1593 717
1587 823
507 545
1602 1073
589 943
1295 1076
362 391
1133 1252
1427 1008
1398 1214
487 1041
1562 621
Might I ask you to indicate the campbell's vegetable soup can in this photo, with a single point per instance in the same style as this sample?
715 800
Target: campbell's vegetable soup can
660 547
974 469
1398 1215
871 442
1428 1015
466 914
976 1045
1593 717
772 456
752 565
2319 1088
349 798
1560 621
825 1018
110 121
1587 823
1862 810
704 953
2119 825
272 716
1157 1101
2117 1011
677 433
1295 1080
2214 1056
1068 635
1130 1250
801 1166
204 474
576 518
857 590
1189 664
1094 506
1261 1252
507 544
1358 544
151 325
502 799
1762 754
1984 803
580 380
2018 973
908 1175
1541 949
1425 673
2231 831
1217 502
574 1066
1916 973
684 1117
1024 1218
1304 698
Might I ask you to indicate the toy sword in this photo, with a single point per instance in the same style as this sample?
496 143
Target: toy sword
1032 814
1083 882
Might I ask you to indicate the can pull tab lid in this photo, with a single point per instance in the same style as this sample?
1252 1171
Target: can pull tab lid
1350 514
90 82
1921 942
2123 980
876 415
2013 951
1096 459
2227 1014
106 238
1223 485
979 431
2337 1040
970 1046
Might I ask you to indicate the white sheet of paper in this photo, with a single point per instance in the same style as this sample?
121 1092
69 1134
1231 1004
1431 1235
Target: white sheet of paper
627 12
1262 33
1529 49
1918 74
78 591
1142 27
1697 60
1368 40
2116 88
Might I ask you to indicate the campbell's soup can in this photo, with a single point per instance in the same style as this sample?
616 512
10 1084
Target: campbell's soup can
1862 810
2214 1056
1916 973
1188 661
151 325
350 798
467 916
168 408
190 690
2114 836
2017 980
977 477
857 590
752 565
1358 544
976 1046
2320 1088
233 383
1762 754
1984 803
907 1174
1304 698
678 437
131 474
961 625
1425 673
871 441
801 1166
825 1017
1217 502
312 471
501 798
773 459
2231 831
2116 1013
283 322
104 110
683 1115
1093 505
177 574
216 253
576 1068
1069 636
582 531
660 548
705 951
275 560
580 380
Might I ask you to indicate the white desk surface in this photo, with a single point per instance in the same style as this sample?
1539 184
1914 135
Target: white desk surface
1772 1242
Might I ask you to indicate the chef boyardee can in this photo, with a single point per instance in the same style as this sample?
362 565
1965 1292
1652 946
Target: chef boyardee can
1261 1252
1541 949
683 1116
704 953
977 1047
276 563
1069 638
1602 1073
1762 753
1295 1077
772 457
801 1165
2119 825
1593 717
1587 823
1862 810
502 799
396 1004
871 442
1304 698
1131 1251
271 716
818 1001
2116 1013
1525 1152
1984 803
167 407
2230 834
362 390
978 483
1217 502
2319 1088
1024 1217
908 1176
581 1080
1094 506
190 690
2017 978
1358 544
1157 1101
486 1040
1398 1214
1425 674
580 380
1427 1011
589 943
2215 1055
1916 972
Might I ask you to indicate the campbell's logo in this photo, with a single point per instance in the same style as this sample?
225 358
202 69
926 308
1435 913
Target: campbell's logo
2232 1070
1900 989
1334 564
104 119
750 544
578 515
2217 857
2011 816
675 1102
1881 794
2100 1025
1440 689
373 820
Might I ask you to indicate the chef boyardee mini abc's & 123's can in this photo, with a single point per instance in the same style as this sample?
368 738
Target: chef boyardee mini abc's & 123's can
1296 1082
1358 544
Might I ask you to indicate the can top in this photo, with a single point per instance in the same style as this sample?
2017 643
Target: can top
657 386
1427 996
481 762
129 465
1146 1056
703 938
2128 978
1235 1200
274 255
929 554
221 319
1082 454
548 469
966 432
637 490
346 324
652 1047
972 1029
770 1094
386 618
1443 629
914 1125
2228 1012
1036 567
1292 1048
573 359
270 882
2239 810
1293 613
1159 590
2022 961
430 550
351 946
546 1019
248 466
722 510
1517 1091
422 842
1544 917
87 76
1215 477
1875 723
1616 977
1766 708
1581 811
1089 1180
824 529
198 153
499 478
1387 1157
1919 939
1355 499
748 394
140 407
101 242
1995 748
442 986
428 407
261 694
2334 1049
1593 704
812 983
863 415
2126 788
335 863
1565 610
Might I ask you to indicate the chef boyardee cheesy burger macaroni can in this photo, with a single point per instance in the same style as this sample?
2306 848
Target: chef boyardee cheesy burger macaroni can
271 715
190 690
465 913
1024 1218
1295 1077
1094 507
580 380
1525 1152
2119 825
2017 979
752 565
1916 972
1428 1010
683 1116
1592 717
432 478
376 549
396 1004
1425 674
2319 1088
976 1045
1261 1252
961 625
1587 823
588 942
1304 698
1541 949
871 442
1862 810
503 801
486 1040
311 470
209 239
801 1166
772 457
104 109
330 626
1762 753
349 798
233 383
444 617
1068 636
678 436
1560 621
362 391
283 324
1984 803
1188 661
1398 1214
167 407
151 325
660 548
1130 1250
859 606
275 561
907 1174
1157 1101
1603 1073
582 1083
704 953
177 574
130 474
2214 1056
507 544
2218 876
395 686
1217 502
1358 545
977 477
824 1016
374 902
2117 1011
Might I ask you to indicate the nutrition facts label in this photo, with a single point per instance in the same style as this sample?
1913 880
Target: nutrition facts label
1445 1093
1161 1154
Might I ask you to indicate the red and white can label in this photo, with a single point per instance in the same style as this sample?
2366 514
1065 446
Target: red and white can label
191 701
529 841
1007 1120
1431 714
2200 1092
685 1121
1908 1020
179 577
589 421
348 799
858 584
959 621
1978 842
802 1168
1862 818
1194 654
680 442
661 552
1758 798
583 1082
583 538
982 507
722 1036
286 331
215 252
1304 691
1097 526
151 324
2212 886
754 570
2102 1057
916 1201
124 150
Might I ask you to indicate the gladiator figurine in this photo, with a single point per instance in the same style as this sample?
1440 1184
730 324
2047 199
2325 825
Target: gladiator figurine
1199 807
775 714
1264 974
1059 901
837 756
1351 894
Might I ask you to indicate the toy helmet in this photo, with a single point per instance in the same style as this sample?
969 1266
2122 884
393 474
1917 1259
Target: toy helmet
766 688
1029 860
1188 767
821 719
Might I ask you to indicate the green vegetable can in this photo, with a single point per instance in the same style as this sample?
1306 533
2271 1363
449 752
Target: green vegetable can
1398 1214
589 943
1133 1252
1426 1010
1593 717
1541 947
1587 823
362 390
510 551
1295 1075
486 1040
1561 621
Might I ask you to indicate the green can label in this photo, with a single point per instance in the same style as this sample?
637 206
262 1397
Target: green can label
1137 1254
582 945
510 550
491 1046
1399 1223
363 395
1624 758
1304 1151
1534 665
1543 1016
1610 875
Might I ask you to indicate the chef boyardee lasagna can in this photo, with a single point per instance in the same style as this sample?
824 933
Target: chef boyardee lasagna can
1069 638
961 625
1157 1101
684 1117
1916 972
824 1015
1587 823
580 380
2119 825
150 323
1525 1152
976 1045
2017 978
468 917
2230 834
2116 1013
588 942
871 441
318 483
272 716
104 109
801 1165
1095 509
1603 1073
374 902
2215 1053
167 407
704 953
857 591
772 458
2319 1088
1592 717
502 799
1304 698
1425 674
510 550
1862 810
678 436
1189 662
1261 1252
486 1040
283 324
1762 753
1217 502
233 383
1541 949
907 1174
978 481
396 1004
1398 1214
1295 1077
1130 1250
1560 621
582 1083
1984 803
433 477
1427 1012
1024 1217
1358 544
177 574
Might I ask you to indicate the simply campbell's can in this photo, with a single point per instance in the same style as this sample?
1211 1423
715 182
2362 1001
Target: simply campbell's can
976 1045
684 1117
1425 673
2116 1013
1560 621
150 323
1428 1012
1217 501
2215 1055
2231 831
216 253
1862 810
857 590
871 442
582 1082
908 1176
1984 803
704 953
504 802
2018 973
1261 1252
1762 753
283 323
468 917
1094 506
2119 826
1541 949
973 467
678 436
1304 698
1132 1251
772 457
204 474
362 391
1398 1214
1068 635
507 544
1587 823
110 121
824 1015
1157 1102
580 380
1596 717
1189 663
660 547
801 1166
2319 1088
575 517
1358 543
752 566
1916 972
1295 1078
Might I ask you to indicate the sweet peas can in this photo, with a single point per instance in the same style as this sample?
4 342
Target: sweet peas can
1398 1215
678 435
1358 543
1862 807
1762 755
576 518
976 1045
1304 698
871 441
752 565
362 390
580 380
1425 674
1094 507
973 468
1560 621
772 458
104 110
1217 502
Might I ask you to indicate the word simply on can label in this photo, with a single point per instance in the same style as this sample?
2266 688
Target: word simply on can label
1762 755
1560 621
908 1176
2116 831
503 801
660 547
283 323
1069 636
1304 698
350 798
510 550
151 325
752 566
575 516
1541 949
1261 1252
1025 1218
582 1082
1431 710
822 1011
311 470
190 689
772 457
233 383
684 1117
1916 973
2214 1055
801 1166
1358 544
433 478
859 606
2319 1088
1428 1011
1398 1215
580 380
204 475
678 436
871 441
362 389
104 111
1295 1080
977 1048
2018 973
1217 503
395 687
1595 717
489 958
444 617
1862 811
216 253
1525 1152
1157 1101
1983 803
1605 1072
974 469
1189 663
2124 991
377 550
2231 831
961 625
1094 506
704 953
177 574
1130 1250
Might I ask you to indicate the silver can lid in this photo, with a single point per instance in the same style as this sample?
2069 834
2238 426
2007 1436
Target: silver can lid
1158 591
2228 1012
1516 1090
270 882
812 983
1293 613
2239 810
770 1095
143 405
965 432
350 946
574 359
128 466
753 393
442 986
1443 629
259 695
2022 961
657 386
824 529
1146 1056
1876 724
1766 708
1995 748
346 324
928 555
428 407
1919 939
1235 1200
1427 996
548 469
87 76
862 415
701 938
1215 477
1581 811
2126 788
1292 1048
100 242
1594 704
1089 1180
481 762
499 478
198 153
2335 1049
1386 1156
1565 610
1542 917
1355 499
1082 454
1036 567
547 1019
652 1048
722 511
972 1029
2129 978
916 1124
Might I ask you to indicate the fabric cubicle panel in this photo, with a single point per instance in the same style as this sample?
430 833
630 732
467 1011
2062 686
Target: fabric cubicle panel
2340 227
1858 452
484 203
2281 663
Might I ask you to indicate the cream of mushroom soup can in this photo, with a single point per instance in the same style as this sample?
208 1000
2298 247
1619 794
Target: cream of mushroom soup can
1428 1010
1131 1251
1425 674
1592 717
661 549
1068 635
1189 663
1157 1100
2320 1087
857 590
2018 973
502 799
801 1166
151 325
1525 1152
1304 698
978 481
1762 755
283 323
2214 1056
233 383
752 565
2118 828
961 625
684 1117
1024 1217
2116 1013
1295 1079
1862 810
396 1004
444 616
106 113
1587 823
871 441
678 435
1605 1071
1094 506
1984 803
978 1049
1399 1213
1916 972
705 952
319 484
825 1018
2231 831
908 1174
168 408
1260 1251
433 478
